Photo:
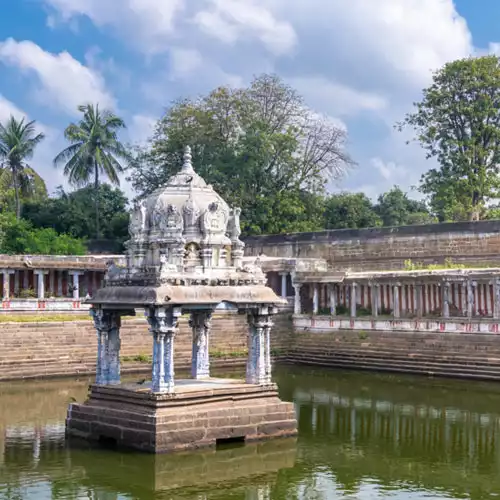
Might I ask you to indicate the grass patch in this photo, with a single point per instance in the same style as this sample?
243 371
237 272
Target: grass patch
140 358
48 318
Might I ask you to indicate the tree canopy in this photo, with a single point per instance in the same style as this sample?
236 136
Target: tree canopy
72 213
260 147
94 151
458 123
18 140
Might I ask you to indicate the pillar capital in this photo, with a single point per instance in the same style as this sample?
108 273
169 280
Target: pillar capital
75 273
7 271
41 271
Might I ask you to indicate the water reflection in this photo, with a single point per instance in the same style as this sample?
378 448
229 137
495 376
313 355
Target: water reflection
360 436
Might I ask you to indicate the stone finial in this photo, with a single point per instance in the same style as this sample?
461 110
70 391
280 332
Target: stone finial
187 166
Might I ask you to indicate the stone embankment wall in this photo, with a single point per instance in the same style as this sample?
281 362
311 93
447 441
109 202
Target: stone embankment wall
458 355
40 350
387 248
37 350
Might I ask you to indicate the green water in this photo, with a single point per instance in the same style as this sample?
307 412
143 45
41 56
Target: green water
361 436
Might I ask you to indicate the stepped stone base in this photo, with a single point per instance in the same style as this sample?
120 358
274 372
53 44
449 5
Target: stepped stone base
199 414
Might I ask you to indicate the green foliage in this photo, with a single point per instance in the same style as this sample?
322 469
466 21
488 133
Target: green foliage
409 265
342 310
93 152
17 236
18 141
350 211
396 209
32 188
363 311
458 123
73 213
260 148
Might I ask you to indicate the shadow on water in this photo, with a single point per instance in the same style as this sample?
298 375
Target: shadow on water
361 435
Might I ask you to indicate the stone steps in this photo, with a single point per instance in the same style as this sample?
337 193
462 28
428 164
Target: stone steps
487 361
72 368
383 365
389 349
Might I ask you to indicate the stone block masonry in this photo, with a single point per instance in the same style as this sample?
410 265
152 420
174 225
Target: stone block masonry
455 355
473 243
39 350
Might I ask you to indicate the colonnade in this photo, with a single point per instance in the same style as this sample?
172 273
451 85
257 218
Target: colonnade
16 283
465 298
163 326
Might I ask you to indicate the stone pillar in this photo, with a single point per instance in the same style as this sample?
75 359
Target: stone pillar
76 283
352 298
16 283
52 283
470 299
26 281
163 323
375 296
60 283
6 283
41 283
297 307
418 299
284 285
445 294
200 323
259 346
496 299
107 324
315 298
397 310
333 299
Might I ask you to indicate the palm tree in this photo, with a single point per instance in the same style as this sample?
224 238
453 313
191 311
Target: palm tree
93 151
18 141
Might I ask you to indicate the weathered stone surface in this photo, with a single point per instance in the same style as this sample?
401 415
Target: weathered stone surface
387 248
163 426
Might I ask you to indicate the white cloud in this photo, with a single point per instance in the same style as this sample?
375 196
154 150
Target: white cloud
184 62
334 98
8 109
231 20
62 81
364 61
146 22
141 128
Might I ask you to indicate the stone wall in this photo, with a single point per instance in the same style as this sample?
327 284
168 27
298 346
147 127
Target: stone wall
387 248
458 355
36 350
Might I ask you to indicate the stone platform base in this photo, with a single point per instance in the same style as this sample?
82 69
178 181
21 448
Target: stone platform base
199 414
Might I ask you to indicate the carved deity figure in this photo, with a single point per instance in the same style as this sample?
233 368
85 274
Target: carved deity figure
138 219
234 228
167 218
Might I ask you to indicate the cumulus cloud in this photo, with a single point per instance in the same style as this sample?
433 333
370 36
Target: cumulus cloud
232 20
146 22
61 80
361 61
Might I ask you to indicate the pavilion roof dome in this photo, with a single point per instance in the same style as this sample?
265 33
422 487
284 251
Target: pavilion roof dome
182 203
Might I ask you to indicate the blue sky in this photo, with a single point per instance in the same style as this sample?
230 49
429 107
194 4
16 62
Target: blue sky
359 62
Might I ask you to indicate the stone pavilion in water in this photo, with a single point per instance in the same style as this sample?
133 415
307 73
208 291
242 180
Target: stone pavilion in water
184 256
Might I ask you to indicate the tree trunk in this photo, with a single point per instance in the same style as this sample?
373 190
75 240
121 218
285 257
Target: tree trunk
15 180
96 201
